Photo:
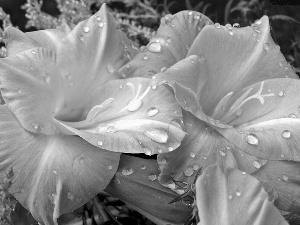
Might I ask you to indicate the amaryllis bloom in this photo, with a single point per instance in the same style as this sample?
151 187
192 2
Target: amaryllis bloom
68 113
240 98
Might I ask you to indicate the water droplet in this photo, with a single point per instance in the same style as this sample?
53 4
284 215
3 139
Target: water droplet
252 139
280 93
101 24
152 111
159 136
190 13
134 105
163 162
286 134
256 164
256 30
110 68
277 47
147 151
192 61
171 185
86 29
163 69
285 177
52 198
192 154
143 167
152 177
98 18
145 58
282 155
280 63
154 47
239 112
70 196
244 173
100 142
127 172
236 25
258 22
196 16
189 172
170 148
230 197
230 32
54 172
222 153
217 25
80 37
237 193
266 46
109 167
111 129
195 167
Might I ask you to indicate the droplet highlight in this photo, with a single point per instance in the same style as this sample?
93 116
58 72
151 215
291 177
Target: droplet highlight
252 139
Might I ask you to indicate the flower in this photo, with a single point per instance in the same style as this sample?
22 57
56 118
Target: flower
240 99
69 113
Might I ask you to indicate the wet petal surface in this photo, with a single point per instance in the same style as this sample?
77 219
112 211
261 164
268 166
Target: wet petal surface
229 196
52 174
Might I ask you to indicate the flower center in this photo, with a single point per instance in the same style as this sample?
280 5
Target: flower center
236 109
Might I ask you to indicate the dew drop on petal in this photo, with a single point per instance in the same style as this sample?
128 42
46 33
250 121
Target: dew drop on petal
277 47
152 177
236 25
170 148
280 63
244 173
127 172
86 29
258 22
35 126
256 164
239 112
99 142
189 172
195 167
145 58
171 185
237 193
285 177
52 198
98 18
54 172
109 167
117 181
147 151
230 197
143 167
280 93
286 134
252 139
230 32
282 155
222 153
101 24
192 154
154 47
292 115
266 46
80 37
217 25
111 129
159 136
70 196
152 111
110 68
159 150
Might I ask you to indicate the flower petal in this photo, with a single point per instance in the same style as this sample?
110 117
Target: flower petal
136 175
52 174
73 65
134 115
227 196
282 179
268 126
243 55
202 147
170 44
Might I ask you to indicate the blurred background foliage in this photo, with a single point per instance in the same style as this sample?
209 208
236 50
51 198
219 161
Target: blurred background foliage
139 19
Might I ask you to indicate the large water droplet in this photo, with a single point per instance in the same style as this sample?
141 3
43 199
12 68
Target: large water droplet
101 24
170 148
100 143
171 185
252 139
70 196
86 29
134 105
189 172
127 172
266 46
160 136
152 177
154 47
109 167
256 164
286 134
258 22
280 93
230 32
111 129
222 153
147 151
192 154
152 111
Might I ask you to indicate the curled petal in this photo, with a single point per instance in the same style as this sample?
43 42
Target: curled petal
58 79
52 175
228 196
134 115
169 45
136 175
249 56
